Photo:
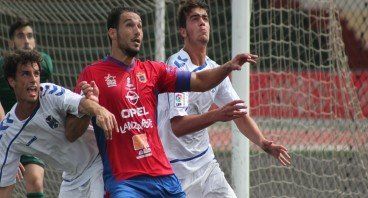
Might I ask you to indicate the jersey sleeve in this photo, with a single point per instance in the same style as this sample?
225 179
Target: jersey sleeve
9 164
226 93
172 80
63 99
177 104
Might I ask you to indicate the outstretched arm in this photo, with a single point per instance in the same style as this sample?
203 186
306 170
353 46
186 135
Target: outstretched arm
230 111
5 192
249 128
207 79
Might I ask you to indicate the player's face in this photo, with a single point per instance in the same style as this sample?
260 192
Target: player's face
26 84
23 39
197 26
130 33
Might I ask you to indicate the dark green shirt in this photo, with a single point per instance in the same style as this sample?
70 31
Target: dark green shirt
7 97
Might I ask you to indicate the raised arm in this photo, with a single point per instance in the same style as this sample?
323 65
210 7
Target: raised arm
249 128
207 79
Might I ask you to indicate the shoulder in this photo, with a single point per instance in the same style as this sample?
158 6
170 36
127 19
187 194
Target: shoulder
45 56
49 90
178 59
211 62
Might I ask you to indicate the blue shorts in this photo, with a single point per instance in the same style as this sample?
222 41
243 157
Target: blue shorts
148 186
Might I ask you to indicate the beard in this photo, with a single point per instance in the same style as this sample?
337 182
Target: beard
129 52
126 50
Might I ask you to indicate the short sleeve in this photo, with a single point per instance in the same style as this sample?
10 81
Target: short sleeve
172 80
61 98
178 103
225 93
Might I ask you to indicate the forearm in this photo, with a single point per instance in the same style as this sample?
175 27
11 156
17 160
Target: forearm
5 192
89 107
183 125
207 79
75 127
248 127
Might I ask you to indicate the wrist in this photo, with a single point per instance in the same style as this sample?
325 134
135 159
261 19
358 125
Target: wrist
212 115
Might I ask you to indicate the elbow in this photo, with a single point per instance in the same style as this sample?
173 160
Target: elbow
70 138
178 132
200 88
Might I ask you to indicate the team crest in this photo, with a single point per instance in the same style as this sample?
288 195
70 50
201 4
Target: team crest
110 80
52 122
142 77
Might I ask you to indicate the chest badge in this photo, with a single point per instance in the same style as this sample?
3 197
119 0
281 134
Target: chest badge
110 80
142 77
52 122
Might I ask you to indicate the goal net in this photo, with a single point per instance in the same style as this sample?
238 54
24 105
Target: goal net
302 91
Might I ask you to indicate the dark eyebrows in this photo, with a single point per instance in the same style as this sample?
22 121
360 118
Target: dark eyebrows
198 15
130 20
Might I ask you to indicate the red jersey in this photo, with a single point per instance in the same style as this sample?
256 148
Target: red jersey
130 93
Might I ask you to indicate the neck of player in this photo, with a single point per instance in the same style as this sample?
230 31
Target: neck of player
24 109
119 55
197 53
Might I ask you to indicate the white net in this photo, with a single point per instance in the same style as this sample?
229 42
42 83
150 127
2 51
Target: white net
302 94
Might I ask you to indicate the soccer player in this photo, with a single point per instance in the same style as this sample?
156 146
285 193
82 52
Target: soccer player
21 36
36 125
183 118
135 164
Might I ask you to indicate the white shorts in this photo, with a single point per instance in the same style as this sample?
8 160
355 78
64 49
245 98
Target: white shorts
209 181
93 188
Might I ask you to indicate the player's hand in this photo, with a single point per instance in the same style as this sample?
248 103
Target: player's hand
237 62
90 90
20 172
277 151
231 111
106 120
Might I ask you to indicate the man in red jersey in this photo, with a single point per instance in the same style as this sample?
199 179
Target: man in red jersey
135 164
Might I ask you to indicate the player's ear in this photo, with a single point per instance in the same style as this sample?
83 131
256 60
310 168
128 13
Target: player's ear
183 32
11 82
112 33
11 44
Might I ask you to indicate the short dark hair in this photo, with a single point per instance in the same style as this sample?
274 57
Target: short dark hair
186 7
19 57
114 16
20 23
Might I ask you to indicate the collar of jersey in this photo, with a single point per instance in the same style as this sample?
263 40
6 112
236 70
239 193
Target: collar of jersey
119 63
199 68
